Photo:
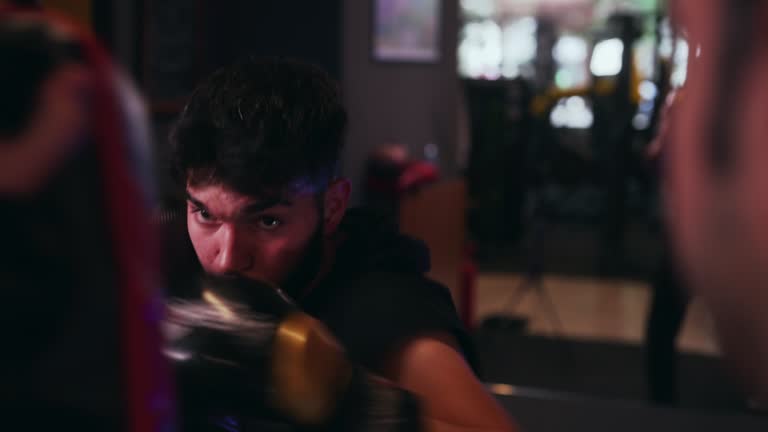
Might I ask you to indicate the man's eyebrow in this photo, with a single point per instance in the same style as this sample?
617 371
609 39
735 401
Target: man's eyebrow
265 204
256 207
196 202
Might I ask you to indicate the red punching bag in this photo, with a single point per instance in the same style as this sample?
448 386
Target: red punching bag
79 267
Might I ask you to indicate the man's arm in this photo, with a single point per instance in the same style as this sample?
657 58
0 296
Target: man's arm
453 398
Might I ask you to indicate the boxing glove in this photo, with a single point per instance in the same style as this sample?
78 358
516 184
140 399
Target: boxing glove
247 358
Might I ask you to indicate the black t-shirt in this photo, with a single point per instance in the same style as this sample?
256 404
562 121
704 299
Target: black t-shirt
377 295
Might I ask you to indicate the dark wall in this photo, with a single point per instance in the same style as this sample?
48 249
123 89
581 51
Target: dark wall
186 40
412 104
308 30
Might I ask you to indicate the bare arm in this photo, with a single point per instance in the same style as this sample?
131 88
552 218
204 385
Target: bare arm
453 399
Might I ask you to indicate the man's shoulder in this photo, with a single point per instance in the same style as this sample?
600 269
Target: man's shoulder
373 244
380 298
381 284
377 310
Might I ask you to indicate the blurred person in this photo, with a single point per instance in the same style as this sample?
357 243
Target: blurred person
81 343
666 315
256 149
717 177
670 299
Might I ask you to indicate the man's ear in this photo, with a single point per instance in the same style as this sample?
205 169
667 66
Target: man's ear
335 205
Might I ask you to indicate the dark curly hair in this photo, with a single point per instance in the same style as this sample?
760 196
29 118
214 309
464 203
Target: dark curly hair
260 125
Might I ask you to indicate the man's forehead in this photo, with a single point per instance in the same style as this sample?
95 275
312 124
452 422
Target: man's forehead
227 198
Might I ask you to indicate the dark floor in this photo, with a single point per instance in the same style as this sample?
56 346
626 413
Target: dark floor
576 249
602 370
542 412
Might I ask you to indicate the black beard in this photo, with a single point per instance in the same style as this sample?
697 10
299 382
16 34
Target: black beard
308 267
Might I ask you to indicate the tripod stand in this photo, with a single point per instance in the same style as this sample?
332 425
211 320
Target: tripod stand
533 272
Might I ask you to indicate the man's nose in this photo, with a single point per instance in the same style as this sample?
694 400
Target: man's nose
230 257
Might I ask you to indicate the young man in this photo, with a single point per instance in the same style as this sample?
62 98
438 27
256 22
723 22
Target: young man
258 147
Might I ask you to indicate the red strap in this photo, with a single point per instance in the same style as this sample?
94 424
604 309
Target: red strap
146 373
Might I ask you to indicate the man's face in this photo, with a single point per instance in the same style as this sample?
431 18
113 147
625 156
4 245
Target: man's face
277 240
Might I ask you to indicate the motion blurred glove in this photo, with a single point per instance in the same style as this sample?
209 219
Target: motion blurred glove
247 358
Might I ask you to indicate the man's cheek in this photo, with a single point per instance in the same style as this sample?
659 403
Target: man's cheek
277 257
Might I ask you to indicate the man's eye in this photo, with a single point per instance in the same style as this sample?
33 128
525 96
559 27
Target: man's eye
202 215
268 222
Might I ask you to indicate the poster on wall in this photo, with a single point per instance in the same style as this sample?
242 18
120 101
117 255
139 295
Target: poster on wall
406 31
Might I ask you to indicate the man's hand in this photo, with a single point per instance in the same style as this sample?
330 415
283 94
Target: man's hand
453 399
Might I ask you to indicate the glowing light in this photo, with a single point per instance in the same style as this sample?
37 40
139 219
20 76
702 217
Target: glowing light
572 113
606 58
646 106
481 8
563 79
502 389
679 64
510 70
648 90
644 57
519 45
570 50
480 50
641 121
665 45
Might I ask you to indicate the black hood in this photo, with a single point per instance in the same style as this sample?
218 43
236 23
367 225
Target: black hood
372 242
